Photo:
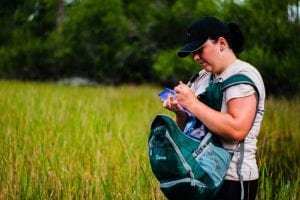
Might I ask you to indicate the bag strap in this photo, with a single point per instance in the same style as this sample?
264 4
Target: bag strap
182 159
239 169
231 81
234 80
237 79
192 79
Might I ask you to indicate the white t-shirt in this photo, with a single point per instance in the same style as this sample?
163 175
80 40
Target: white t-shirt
249 168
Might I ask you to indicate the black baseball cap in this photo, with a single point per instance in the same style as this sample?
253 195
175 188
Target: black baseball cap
201 30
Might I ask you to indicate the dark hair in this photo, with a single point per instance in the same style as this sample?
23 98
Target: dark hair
236 39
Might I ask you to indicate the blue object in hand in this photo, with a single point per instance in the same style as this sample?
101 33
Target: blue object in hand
163 95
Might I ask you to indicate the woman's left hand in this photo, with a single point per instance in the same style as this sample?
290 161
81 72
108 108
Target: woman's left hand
184 95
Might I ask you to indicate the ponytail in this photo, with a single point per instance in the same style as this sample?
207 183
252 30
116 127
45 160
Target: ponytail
236 38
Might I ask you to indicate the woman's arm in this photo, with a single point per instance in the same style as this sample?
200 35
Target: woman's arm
233 125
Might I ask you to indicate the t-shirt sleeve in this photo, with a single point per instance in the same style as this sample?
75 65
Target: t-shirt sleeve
240 90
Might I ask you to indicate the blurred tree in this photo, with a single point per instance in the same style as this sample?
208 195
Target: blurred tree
121 41
59 15
270 41
172 22
95 35
27 25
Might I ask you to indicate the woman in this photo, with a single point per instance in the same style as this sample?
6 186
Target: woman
214 46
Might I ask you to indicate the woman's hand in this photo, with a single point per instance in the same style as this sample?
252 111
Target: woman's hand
185 96
171 104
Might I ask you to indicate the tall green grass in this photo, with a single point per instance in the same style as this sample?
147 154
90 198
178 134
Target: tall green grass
60 142
278 150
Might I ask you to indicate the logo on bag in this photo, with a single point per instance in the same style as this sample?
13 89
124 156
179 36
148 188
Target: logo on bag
158 157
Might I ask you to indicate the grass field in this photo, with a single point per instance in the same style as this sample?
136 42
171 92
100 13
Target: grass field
61 142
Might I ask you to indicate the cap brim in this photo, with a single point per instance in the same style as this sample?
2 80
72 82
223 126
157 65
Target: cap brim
189 48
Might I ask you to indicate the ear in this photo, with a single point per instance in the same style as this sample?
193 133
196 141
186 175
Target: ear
223 43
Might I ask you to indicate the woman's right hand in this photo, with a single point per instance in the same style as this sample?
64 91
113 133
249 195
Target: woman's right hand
171 104
181 116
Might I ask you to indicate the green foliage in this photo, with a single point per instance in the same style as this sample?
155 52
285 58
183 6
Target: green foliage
28 60
129 41
169 69
95 35
280 73
270 42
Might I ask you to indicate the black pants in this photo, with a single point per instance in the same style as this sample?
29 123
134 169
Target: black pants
231 190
